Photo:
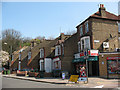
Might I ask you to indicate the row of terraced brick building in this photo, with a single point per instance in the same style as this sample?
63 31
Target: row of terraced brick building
98 36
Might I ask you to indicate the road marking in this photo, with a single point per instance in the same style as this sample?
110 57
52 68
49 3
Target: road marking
101 86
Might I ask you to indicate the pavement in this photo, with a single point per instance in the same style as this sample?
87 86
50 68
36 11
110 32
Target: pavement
93 82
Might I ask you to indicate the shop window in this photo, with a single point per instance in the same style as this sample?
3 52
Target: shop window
41 53
113 67
85 43
86 27
81 30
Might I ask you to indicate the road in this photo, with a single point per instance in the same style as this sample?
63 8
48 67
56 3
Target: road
17 83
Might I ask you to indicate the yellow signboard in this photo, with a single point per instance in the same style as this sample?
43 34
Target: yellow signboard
74 78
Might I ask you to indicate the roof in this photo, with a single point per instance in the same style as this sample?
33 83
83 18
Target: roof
35 50
109 16
16 54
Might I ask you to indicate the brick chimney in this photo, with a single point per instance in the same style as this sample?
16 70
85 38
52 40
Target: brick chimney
102 10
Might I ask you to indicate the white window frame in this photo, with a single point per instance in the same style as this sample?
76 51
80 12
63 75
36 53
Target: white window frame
79 46
81 30
19 55
86 27
41 52
57 50
58 65
29 55
119 27
41 67
83 38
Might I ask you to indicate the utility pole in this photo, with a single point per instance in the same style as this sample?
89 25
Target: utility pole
86 57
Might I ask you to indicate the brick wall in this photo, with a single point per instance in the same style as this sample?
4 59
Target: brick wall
101 30
103 67
70 47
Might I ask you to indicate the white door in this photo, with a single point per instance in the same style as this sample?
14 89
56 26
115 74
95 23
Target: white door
41 65
48 65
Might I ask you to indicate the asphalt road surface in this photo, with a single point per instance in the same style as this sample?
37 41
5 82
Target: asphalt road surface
17 83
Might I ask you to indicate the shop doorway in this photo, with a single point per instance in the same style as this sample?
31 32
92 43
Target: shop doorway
93 68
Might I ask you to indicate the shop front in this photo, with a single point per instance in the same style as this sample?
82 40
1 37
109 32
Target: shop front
109 65
113 67
92 63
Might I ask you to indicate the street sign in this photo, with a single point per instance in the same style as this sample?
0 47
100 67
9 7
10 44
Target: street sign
74 78
86 57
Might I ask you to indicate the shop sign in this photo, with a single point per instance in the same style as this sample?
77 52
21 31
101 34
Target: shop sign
93 52
74 78
81 54
77 55
113 58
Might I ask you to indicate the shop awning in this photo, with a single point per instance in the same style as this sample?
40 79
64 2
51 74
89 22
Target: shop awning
78 60
91 58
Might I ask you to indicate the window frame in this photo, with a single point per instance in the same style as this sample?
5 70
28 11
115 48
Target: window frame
79 46
84 38
81 30
57 50
86 27
29 53
41 52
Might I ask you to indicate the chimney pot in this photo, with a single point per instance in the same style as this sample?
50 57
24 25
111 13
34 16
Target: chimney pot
101 5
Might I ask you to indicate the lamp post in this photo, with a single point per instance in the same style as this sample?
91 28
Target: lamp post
86 57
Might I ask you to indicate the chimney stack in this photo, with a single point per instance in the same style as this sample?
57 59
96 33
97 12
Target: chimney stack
62 36
102 10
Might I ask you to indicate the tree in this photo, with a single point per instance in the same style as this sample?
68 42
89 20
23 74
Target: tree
26 41
50 38
40 37
11 39
71 32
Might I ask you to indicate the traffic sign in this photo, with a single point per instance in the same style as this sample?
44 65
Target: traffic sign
82 79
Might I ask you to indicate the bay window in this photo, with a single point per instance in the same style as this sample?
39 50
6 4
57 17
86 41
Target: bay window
85 43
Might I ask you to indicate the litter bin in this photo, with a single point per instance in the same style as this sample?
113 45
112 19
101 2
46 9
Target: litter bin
8 71
5 72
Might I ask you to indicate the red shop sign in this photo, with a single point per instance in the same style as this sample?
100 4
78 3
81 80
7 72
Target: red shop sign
113 58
